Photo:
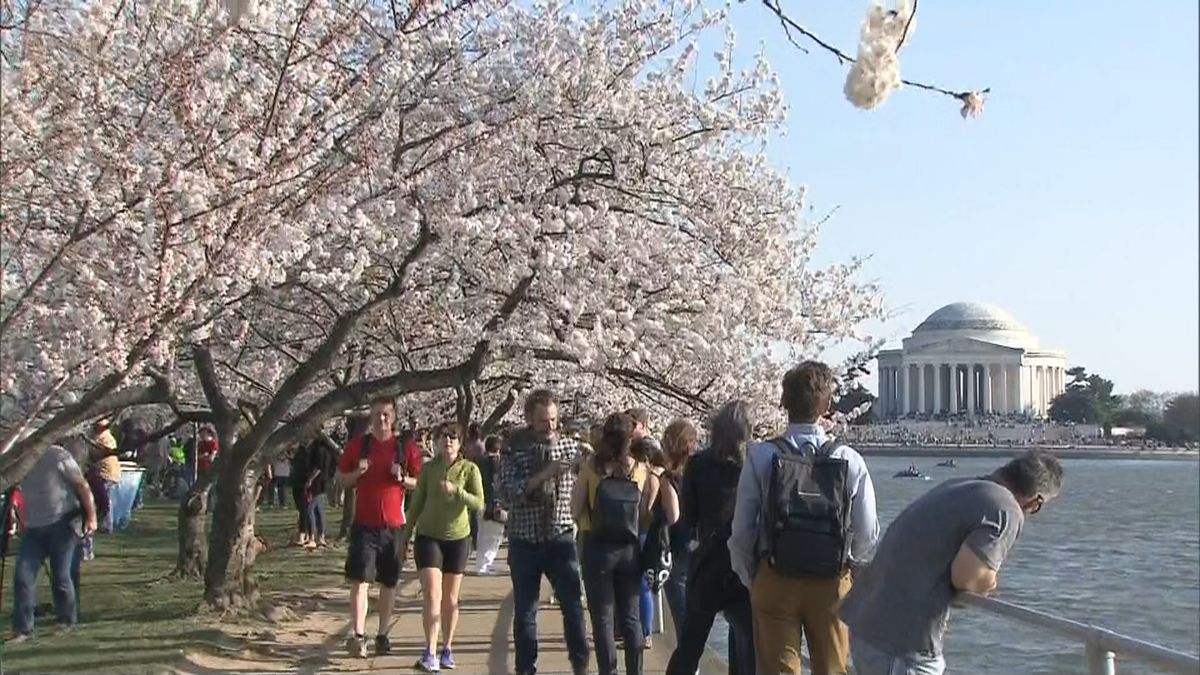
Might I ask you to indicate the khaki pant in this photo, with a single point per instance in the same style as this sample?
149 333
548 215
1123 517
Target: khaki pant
787 609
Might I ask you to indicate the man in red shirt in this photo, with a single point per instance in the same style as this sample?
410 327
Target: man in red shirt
206 450
379 469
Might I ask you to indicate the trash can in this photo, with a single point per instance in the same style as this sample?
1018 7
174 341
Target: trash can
123 496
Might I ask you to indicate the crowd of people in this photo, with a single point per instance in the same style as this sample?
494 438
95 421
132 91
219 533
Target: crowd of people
993 430
780 536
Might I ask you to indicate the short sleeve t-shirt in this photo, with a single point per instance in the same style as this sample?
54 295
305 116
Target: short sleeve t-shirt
208 454
282 468
901 603
48 488
378 496
591 482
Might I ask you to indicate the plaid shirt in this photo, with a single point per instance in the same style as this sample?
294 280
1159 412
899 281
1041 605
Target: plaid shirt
528 519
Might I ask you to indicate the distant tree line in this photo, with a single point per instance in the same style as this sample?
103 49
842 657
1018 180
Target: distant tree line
1089 399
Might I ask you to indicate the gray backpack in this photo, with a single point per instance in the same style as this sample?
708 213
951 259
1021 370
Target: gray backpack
807 511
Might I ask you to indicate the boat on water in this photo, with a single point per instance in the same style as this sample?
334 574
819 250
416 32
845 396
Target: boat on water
912 473
948 463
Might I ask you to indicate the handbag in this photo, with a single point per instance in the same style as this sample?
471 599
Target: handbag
712 585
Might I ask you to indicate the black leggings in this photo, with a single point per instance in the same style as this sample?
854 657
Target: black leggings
450 556
612 576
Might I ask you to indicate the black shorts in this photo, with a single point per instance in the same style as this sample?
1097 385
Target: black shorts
448 556
374 555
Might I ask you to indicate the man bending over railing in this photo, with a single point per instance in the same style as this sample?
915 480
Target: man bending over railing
950 540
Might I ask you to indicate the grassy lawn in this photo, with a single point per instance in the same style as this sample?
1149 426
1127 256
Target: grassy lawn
134 621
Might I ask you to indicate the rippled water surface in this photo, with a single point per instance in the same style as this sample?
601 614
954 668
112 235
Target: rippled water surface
1120 548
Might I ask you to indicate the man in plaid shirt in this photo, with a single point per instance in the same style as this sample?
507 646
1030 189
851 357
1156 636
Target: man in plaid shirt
535 485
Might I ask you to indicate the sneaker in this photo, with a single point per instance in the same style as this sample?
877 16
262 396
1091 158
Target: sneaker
17 638
427 664
356 647
383 646
446 660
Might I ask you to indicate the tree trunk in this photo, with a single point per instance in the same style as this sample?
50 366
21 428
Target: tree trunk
347 513
193 546
229 584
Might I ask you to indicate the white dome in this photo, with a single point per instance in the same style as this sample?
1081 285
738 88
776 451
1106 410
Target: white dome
974 316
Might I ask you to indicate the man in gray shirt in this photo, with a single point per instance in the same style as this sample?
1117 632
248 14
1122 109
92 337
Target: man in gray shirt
59 512
952 539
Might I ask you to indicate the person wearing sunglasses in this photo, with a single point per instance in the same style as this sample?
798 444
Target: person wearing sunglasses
449 489
952 539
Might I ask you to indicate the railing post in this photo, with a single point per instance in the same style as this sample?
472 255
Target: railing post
1100 661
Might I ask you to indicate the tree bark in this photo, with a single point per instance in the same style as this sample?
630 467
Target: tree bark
464 407
193 546
347 513
229 584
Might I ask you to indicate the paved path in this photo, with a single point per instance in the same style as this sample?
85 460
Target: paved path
315 641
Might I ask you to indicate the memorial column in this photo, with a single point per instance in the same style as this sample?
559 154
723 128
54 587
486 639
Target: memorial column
987 389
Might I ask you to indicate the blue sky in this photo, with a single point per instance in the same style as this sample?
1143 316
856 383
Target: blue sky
1072 202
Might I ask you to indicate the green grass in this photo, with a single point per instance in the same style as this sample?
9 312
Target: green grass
133 620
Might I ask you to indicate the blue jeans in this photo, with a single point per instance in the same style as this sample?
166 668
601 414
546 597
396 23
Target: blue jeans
61 545
676 588
110 489
315 517
612 573
869 660
557 560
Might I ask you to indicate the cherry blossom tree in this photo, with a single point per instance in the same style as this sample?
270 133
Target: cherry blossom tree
351 200
140 201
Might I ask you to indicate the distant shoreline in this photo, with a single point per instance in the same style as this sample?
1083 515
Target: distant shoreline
1060 451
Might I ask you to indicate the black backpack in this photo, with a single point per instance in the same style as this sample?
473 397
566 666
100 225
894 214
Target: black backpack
616 509
807 509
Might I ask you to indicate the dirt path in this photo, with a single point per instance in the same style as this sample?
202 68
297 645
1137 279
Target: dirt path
315 641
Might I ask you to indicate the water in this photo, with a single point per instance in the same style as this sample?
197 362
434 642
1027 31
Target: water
1120 549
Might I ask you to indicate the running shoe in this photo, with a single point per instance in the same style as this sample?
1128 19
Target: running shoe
427 664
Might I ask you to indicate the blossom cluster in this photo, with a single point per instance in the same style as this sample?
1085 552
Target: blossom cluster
875 73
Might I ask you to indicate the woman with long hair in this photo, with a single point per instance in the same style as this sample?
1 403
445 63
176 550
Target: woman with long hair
315 483
449 488
709 490
679 442
611 502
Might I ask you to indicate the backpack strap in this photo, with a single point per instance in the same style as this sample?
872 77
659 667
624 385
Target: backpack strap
827 448
783 445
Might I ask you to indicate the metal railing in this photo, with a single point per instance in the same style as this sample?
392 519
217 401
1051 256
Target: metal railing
1101 645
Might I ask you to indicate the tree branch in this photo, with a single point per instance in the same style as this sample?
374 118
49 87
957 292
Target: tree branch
407 382
843 58
206 372
101 400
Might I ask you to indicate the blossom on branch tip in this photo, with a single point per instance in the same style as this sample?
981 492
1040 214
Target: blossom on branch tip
972 104
876 70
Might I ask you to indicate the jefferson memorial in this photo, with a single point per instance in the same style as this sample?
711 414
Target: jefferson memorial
972 358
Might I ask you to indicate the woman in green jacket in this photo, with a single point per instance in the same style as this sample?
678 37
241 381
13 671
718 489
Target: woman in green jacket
449 487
